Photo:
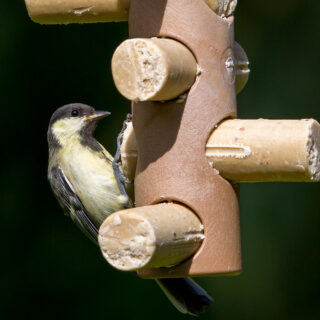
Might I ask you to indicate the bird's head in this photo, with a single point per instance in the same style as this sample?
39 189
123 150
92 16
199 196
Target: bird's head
74 121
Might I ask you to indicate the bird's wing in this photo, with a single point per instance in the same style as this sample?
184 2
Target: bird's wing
71 204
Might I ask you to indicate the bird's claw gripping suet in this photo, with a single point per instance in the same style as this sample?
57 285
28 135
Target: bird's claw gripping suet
116 163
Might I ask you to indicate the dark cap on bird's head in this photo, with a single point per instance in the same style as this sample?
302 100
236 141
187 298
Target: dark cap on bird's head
77 110
73 120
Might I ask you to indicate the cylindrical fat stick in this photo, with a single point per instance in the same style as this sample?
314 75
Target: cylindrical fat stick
266 150
223 8
254 150
77 11
160 235
162 69
89 11
153 69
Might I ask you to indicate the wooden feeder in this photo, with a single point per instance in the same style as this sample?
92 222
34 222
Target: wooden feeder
185 149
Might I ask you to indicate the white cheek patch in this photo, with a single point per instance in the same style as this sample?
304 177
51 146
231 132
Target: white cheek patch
66 129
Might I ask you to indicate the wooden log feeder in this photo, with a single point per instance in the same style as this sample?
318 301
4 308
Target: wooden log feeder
185 149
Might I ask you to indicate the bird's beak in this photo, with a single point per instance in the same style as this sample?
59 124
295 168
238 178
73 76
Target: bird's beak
98 115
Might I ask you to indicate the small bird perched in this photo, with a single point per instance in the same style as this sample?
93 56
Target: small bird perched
88 187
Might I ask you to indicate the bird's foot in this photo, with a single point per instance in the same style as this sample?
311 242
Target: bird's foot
117 164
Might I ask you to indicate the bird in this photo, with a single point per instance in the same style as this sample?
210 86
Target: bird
89 187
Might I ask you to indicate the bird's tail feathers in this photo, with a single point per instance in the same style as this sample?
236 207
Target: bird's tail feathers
185 294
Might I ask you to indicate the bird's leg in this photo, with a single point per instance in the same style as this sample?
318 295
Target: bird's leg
116 163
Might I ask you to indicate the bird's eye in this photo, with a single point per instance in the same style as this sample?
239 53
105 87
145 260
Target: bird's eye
74 113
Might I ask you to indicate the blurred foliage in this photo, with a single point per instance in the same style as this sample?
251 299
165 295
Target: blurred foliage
50 270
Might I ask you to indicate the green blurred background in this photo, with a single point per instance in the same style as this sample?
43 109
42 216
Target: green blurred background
50 270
